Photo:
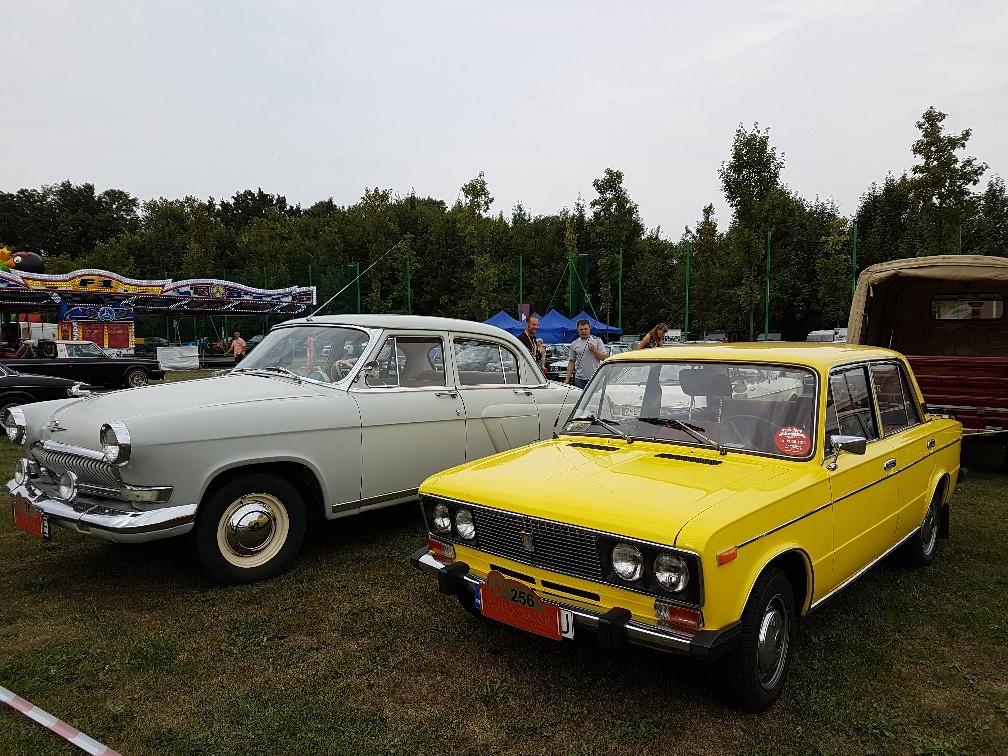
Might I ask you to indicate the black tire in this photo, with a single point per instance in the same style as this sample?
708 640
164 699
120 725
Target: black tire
136 378
920 550
13 400
248 553
755 683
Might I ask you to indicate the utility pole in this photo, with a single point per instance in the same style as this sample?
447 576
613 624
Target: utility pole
619 291
853 253
689 254
409 290
766 310
357 284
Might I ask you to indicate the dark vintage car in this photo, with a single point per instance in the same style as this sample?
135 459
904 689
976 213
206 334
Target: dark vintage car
18 388
85 361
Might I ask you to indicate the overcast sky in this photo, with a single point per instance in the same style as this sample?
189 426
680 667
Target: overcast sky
317 100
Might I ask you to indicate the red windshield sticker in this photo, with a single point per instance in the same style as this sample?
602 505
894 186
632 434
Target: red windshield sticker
793 441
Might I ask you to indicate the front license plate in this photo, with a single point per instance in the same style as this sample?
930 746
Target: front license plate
28 519
516 604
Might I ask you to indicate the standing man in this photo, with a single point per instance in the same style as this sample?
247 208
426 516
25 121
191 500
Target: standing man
586 354
237 347
534 345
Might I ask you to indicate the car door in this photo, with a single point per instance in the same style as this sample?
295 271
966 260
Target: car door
412 420
500 412
902 422
864 487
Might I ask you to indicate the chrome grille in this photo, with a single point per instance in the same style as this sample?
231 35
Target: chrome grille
556 547
91 472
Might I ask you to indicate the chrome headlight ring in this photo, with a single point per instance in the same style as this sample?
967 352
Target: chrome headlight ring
627 562
671 572
115 441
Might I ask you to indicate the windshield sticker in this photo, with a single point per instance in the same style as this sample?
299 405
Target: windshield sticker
793 441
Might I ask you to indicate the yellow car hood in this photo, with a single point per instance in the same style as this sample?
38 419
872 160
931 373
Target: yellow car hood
606 484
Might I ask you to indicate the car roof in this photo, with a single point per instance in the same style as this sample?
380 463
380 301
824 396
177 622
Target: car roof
821 355
412 322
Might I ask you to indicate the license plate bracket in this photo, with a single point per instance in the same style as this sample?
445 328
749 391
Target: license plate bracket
517 604
29 520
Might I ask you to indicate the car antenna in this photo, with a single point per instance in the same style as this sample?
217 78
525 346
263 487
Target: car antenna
357 278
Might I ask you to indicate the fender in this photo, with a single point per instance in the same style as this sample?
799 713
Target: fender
252 462
760 565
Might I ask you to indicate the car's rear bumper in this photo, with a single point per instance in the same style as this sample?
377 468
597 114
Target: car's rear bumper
614 629
111 520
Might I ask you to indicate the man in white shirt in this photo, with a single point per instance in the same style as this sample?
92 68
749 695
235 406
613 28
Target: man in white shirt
586 354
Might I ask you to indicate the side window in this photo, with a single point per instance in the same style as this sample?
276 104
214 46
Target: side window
914 416
891 392
386 373
510 366
479 363
849 410
419 363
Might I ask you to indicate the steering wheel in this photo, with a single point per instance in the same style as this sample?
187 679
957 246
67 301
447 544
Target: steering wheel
318 374
755 422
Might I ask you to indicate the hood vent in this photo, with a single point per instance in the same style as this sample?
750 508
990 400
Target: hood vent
684 458
596 447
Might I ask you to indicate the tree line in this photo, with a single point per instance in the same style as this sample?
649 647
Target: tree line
460 260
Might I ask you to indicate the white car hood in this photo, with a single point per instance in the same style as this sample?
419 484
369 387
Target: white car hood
82 419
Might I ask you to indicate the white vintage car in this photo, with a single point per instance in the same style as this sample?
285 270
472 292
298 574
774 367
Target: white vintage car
329 416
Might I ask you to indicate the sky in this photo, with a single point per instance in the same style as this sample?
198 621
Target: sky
318 100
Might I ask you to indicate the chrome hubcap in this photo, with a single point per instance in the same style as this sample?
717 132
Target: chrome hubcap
138 379
250 528
772 643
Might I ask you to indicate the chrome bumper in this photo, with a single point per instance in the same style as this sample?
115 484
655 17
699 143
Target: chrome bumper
110 523
613 628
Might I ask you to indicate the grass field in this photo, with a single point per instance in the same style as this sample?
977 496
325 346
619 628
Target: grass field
352 651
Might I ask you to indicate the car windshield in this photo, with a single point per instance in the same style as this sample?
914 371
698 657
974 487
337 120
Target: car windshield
84 350
766 409
322 353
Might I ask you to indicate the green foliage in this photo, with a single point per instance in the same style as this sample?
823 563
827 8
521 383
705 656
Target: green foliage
463 261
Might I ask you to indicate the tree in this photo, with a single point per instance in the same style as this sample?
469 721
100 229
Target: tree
992 231
615 228
942 182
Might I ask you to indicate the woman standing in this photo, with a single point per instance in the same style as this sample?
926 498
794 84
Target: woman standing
654 338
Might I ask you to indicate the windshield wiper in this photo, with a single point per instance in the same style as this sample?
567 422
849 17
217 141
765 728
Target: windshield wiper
269 369
692 430
609 425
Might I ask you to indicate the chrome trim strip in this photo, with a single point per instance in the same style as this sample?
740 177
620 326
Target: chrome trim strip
77 451
358 503
789 522
863 570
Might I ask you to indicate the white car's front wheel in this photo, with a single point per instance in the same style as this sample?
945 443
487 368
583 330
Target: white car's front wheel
250 529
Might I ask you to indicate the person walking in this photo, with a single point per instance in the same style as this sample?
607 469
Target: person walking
654 338
534 345
586 354
237 347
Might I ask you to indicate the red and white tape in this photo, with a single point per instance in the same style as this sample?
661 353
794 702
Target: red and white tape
51 723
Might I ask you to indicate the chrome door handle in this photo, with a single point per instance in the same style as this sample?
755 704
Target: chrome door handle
931 443
526 392
451 394
890 464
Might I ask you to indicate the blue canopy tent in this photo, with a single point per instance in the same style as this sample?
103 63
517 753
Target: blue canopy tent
505 322
555 328
597 326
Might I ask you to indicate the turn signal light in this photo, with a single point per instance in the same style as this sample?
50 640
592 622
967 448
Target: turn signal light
679 617
728 555
441 551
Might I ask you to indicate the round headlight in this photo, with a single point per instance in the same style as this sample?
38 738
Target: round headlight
14 424
115 442
68 486
671 572
627 561
21 472
465 525
442 518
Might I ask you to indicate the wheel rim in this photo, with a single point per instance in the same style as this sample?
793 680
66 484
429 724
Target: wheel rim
929 529
253 530
772 643
138 378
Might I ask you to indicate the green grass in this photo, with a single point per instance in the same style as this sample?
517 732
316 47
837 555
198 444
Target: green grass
353 651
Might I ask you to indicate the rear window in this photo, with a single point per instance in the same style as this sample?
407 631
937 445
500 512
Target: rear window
967 307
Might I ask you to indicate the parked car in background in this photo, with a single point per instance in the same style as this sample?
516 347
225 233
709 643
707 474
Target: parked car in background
19 388
947 314
148 346
86 362
329 416
828 335
700 500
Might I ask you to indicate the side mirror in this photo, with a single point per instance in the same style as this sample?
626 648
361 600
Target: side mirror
848 444
365 371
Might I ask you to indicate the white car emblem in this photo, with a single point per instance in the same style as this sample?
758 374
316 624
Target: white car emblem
527 543
55 427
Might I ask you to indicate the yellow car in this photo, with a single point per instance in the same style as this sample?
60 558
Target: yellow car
699 500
